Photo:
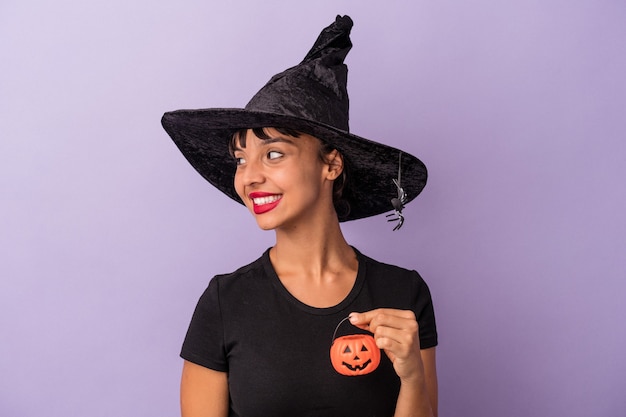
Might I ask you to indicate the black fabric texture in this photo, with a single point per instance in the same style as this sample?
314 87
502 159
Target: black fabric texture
276 349
312 98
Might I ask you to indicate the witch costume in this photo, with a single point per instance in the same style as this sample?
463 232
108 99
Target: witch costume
274 347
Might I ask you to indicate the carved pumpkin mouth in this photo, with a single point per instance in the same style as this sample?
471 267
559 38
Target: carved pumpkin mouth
357 367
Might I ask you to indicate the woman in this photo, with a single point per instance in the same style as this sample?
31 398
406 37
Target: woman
258 343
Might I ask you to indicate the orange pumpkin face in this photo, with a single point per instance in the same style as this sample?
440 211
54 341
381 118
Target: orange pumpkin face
355 354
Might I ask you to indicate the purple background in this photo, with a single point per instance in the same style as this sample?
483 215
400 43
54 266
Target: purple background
108 236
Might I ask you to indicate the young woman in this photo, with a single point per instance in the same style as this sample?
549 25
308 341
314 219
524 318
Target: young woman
259 342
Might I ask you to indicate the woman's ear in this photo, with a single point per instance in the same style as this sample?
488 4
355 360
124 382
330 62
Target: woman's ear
335 164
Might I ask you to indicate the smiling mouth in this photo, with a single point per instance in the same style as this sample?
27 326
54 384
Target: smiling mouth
259 201
357 367
262 203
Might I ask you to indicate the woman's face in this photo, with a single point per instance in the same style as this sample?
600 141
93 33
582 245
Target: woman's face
282 180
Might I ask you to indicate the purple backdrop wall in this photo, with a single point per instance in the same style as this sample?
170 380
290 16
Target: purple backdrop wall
108 237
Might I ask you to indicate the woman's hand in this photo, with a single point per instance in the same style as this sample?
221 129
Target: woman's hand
395 332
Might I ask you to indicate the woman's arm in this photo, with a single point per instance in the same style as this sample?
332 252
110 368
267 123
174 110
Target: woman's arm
203 392
419 397
396 332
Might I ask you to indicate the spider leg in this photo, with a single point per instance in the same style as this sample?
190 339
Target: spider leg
400 222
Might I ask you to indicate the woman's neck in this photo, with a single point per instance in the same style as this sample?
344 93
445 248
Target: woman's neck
319 270
316 251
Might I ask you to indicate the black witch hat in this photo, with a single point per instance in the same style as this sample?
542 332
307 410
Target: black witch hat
311 98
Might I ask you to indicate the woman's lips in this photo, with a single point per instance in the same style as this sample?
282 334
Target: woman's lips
264 202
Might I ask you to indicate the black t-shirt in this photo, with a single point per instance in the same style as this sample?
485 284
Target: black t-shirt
276 348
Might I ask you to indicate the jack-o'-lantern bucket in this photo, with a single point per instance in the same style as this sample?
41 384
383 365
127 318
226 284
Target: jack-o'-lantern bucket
355 354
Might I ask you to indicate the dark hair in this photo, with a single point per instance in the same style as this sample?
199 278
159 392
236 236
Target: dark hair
340 185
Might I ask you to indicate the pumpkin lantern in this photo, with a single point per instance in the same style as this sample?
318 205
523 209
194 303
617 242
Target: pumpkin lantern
355 354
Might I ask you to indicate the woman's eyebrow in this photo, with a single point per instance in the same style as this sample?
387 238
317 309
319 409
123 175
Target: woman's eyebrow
268 141
278 139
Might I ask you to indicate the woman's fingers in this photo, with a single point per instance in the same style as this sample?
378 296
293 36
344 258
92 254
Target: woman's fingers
386 317
397 333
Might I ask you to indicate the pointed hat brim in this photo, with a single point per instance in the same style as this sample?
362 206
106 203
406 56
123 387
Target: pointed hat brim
203 137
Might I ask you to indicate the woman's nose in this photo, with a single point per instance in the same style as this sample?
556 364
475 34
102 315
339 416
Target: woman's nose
252 173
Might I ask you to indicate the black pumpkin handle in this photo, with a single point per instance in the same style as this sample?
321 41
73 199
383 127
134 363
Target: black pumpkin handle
337 328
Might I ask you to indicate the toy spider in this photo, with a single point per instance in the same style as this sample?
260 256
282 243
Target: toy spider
398 203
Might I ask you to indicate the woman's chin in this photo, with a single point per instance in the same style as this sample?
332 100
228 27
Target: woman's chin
265 223
265 227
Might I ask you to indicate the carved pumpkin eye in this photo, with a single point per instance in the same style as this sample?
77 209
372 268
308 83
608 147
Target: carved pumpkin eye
363 349
347 350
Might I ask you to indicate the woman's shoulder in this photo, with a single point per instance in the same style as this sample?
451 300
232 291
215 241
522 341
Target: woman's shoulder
251 271
393 280
387 269
396 286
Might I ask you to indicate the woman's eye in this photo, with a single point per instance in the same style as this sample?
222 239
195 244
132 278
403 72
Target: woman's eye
240 161
274 154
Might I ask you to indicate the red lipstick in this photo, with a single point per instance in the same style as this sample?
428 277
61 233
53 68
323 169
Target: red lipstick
263 202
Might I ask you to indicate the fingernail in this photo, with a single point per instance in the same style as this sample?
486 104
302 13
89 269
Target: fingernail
353 318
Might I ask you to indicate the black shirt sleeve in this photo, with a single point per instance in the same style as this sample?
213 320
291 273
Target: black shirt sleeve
425 314
204 342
